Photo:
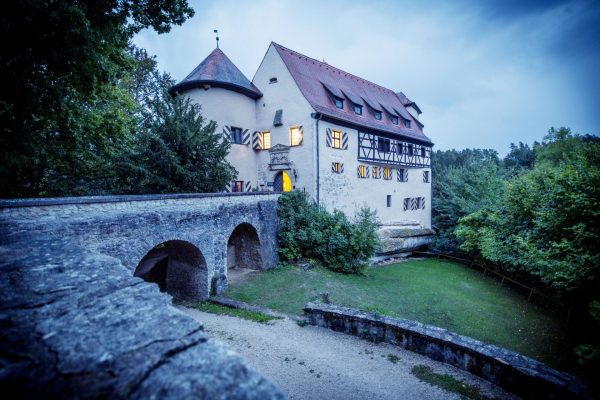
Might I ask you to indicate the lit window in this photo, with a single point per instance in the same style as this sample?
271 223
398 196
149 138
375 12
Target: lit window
339 102
407 123
377 114
363 172
296 136
238 186
357 109
376 172
337 167
394 120
387 173
236 135
425 176
336 139
383 145
266 140
389 200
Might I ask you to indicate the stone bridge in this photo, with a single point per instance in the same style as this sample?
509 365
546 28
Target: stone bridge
75 321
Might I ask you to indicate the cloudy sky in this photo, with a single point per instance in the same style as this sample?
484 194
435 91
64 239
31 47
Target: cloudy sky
485 74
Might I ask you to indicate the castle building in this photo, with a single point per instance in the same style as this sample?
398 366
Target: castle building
303 124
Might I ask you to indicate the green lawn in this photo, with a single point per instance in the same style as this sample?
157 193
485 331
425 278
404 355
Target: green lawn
435 292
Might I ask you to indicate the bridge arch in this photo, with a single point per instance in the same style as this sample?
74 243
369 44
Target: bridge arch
243 248
178 267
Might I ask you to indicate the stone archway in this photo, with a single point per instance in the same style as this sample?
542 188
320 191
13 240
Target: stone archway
178 268
243 248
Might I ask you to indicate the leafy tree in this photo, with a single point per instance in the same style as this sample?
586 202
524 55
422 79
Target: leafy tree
521 156
63 116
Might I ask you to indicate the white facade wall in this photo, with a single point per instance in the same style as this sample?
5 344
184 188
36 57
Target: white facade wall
284 95
347 192
228 108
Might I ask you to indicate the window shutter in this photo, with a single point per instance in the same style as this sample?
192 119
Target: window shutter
333 167
367 173
227 188
328 137
246 137
379 172
257 140
227 133
423 203
406 203
301 136
358 171
345 141
248 186
413 203
341 168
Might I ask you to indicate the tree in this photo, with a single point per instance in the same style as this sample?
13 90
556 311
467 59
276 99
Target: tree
63 116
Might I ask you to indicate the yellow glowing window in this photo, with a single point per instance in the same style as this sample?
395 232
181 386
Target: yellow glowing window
336 139
387 173
362 171
337 167
266 140
296 136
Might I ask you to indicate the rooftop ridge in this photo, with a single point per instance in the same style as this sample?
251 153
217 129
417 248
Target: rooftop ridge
321 63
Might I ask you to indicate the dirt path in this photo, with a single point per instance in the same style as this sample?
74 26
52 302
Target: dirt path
315 363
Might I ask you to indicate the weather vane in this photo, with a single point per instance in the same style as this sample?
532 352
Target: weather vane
216 31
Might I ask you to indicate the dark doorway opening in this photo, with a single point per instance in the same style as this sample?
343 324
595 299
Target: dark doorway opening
243 248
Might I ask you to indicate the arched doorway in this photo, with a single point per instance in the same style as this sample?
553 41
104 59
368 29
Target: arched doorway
283 182
243 248
178 268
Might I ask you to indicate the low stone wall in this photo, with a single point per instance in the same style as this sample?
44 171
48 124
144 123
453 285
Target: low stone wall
519 374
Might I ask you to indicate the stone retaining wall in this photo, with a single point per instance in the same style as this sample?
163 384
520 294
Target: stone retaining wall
519 374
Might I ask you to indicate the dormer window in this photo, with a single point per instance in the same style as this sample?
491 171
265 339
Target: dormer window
407 123
339 102
394 120
377 114
357 109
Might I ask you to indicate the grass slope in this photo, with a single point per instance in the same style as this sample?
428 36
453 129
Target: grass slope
435 292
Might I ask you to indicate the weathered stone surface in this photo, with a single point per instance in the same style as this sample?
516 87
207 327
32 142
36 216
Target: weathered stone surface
522 375
402 238
75 323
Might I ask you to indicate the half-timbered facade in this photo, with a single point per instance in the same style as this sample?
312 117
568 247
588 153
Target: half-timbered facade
304 124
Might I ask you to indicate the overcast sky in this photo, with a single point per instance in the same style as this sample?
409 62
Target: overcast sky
484 75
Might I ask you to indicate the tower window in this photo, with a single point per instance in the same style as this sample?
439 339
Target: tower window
236 135
336 139
296 136
389 200
266 140
273 80
387 173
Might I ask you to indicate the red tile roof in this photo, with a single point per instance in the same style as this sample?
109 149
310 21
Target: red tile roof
217 70
317 79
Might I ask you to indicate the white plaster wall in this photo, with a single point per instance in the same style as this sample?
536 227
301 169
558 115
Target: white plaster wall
347 192
284 95
229 108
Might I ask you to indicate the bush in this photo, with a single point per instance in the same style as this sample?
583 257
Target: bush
307 231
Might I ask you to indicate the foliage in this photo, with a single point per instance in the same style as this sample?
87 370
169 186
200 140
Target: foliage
307 231
65 119
447 382
214 308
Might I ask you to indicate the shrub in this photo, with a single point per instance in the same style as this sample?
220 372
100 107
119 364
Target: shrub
307 231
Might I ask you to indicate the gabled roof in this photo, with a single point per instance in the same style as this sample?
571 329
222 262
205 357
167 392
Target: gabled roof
217 70
408 102
318 80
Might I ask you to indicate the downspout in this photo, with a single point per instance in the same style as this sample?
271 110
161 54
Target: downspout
317 117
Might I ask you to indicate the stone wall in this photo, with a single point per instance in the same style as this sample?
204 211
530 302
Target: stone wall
519 374
76 323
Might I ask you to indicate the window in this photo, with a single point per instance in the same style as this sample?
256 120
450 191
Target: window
377 114
266 140
339 102
402 175
425 176
336 139
410 149
357 109
273 80
414 203
422 151
389 200
400 148
407 123
363 171
337 167
238 186
420 203
383 145
376 172
236 135
394 120
296 136
387 173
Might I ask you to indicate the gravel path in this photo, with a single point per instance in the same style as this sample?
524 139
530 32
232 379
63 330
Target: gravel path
316 363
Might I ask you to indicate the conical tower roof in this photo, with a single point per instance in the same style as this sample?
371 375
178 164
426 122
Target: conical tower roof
217 70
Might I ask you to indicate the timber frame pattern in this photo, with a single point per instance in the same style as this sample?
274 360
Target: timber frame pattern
396 152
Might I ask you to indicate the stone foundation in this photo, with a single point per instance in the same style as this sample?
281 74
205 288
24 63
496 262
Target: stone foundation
398 239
